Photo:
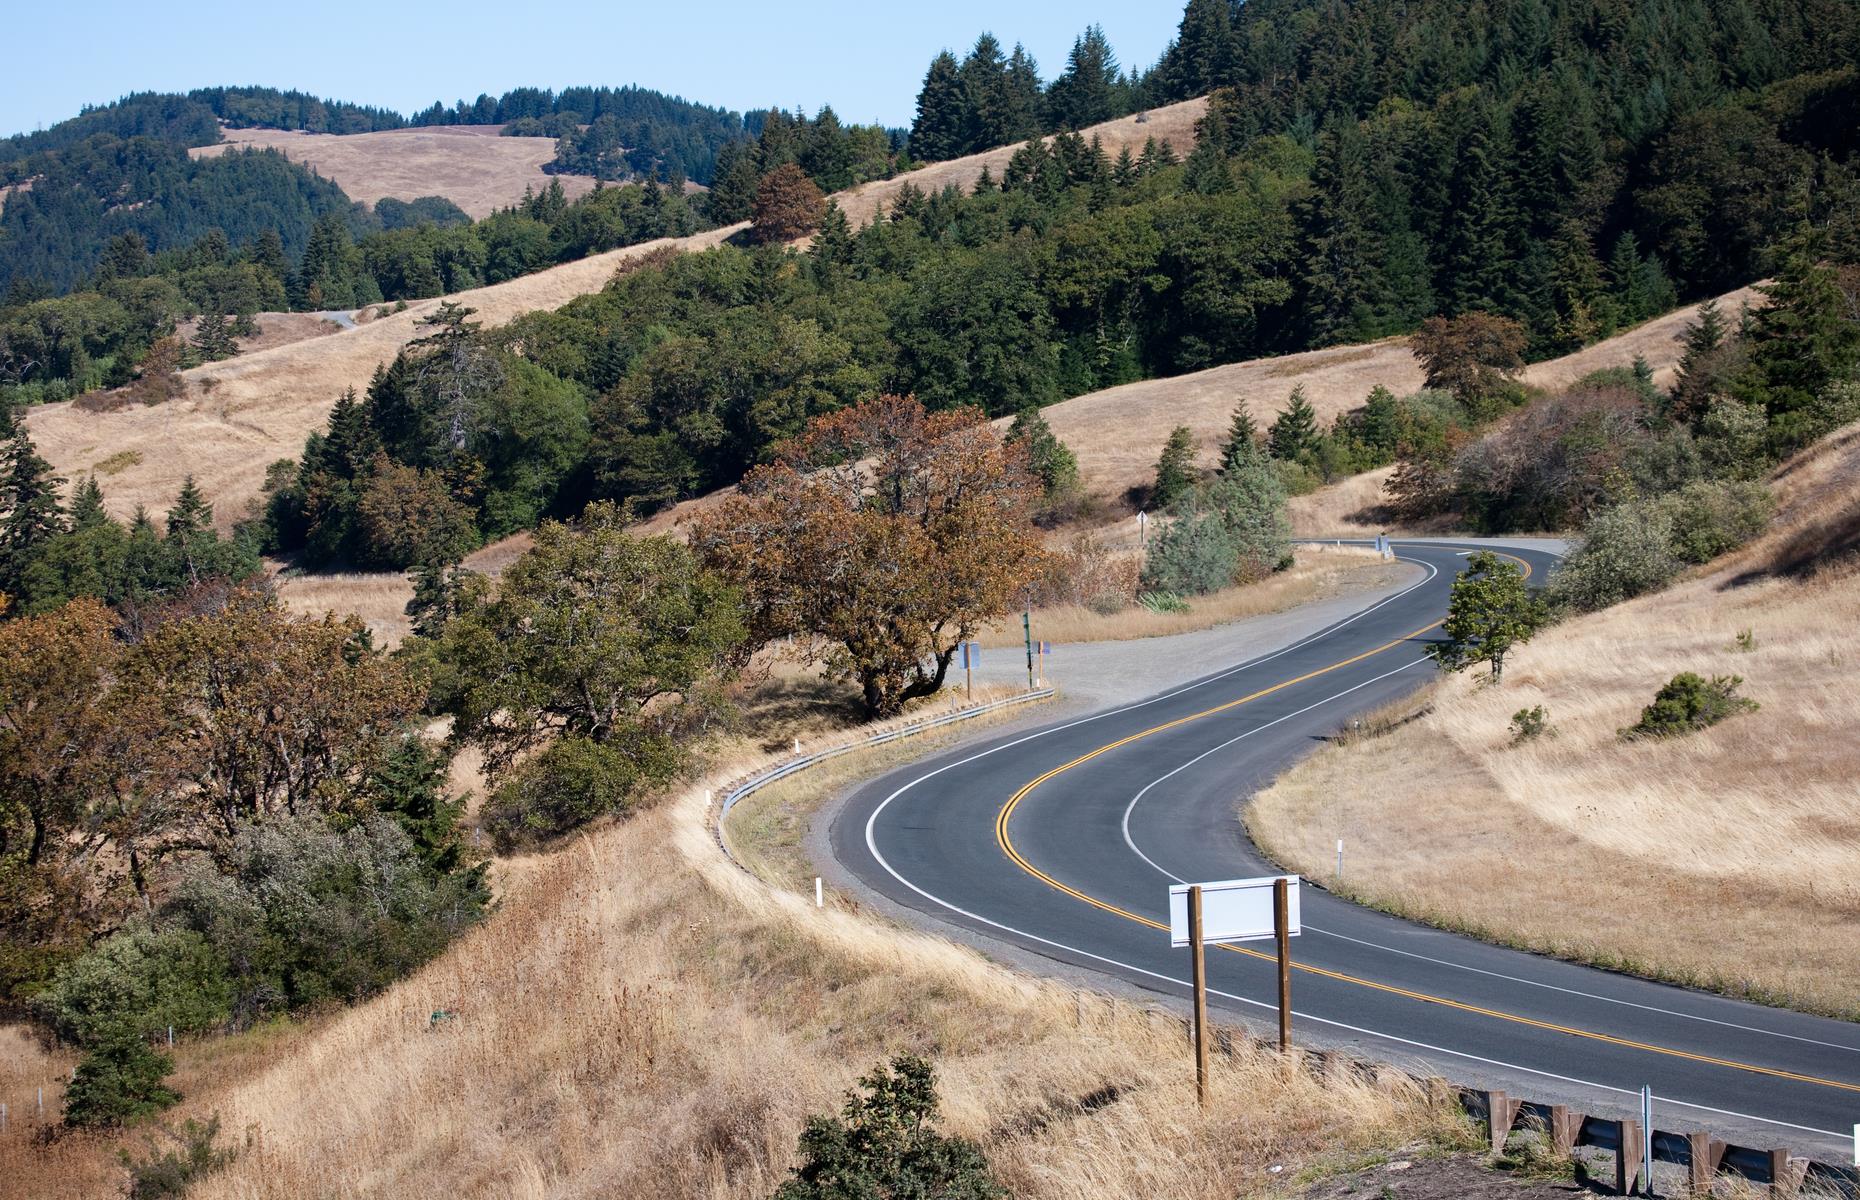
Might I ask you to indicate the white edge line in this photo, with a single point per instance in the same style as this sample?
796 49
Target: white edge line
871 845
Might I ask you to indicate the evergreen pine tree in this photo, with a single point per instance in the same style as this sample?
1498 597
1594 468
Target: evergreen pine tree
937 133
1242 438
1803 340
1025 96
1294 432
1204 53
214 339
987 108
30 515
87 511
1124 172
1052 462
1175 469
1341 267
1086 93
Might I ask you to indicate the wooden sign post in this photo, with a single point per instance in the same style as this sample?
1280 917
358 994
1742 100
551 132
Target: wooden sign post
1199 972
1282 933
1237 910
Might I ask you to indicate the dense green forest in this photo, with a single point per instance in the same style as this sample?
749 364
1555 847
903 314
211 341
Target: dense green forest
53 347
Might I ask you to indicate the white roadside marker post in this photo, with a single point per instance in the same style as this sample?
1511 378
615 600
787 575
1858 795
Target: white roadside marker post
820 896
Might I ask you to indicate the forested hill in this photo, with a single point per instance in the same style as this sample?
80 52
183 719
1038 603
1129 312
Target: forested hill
123 168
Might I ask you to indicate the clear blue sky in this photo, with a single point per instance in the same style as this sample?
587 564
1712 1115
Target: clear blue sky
866 59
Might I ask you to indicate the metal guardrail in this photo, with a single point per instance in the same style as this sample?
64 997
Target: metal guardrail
756 783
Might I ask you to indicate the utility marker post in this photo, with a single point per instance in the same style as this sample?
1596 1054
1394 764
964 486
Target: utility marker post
1199 973
1026 630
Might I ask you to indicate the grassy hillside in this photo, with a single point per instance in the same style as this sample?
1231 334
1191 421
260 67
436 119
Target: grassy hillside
622 1031
239 416
469 165
1728 858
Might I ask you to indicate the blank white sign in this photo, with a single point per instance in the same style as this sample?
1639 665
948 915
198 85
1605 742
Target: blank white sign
1234 910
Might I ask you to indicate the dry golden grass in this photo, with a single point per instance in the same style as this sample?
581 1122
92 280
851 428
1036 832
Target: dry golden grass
642 1018
1348 508
767 829
239 416
469 165
1728 859
274 329
380 598
1319 573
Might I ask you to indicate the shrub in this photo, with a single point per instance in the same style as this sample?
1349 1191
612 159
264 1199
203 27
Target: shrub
1711 518
882 1144
118 1081
572 782
167 1175
1733 437
303 911
1625 551
1086 572
1234 530
139 981
1529 724
1194 555
1163 602
1688 703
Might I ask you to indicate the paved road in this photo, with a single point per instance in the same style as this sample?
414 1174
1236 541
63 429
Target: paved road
1060 843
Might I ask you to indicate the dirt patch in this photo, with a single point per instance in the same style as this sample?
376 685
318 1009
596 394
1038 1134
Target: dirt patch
470 165
1456 1178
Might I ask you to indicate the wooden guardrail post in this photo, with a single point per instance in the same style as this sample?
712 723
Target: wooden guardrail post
1700 1165
1782 1175
1500 1112
1627 1157
1563 1127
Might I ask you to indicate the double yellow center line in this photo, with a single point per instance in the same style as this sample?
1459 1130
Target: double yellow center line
1006 842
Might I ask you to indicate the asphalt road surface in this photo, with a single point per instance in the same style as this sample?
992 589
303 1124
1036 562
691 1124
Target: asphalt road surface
1060 843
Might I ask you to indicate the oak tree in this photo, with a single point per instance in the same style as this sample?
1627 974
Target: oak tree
880 540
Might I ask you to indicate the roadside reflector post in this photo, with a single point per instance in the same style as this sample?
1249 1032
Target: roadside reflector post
1646 1139
1282 933
820 896
1026 632
1198 957
1339 862
969 655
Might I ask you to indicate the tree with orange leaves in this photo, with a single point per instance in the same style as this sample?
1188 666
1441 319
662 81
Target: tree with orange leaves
880 540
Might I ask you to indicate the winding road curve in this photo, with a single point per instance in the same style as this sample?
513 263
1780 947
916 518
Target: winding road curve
1061 842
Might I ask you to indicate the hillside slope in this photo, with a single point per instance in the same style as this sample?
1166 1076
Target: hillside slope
469 165
240 415
1728 858
1118 433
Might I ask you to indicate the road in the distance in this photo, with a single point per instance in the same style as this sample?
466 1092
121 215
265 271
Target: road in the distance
1075 868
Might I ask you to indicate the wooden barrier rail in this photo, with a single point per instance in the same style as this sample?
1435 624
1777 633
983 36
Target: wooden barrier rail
1704 1157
